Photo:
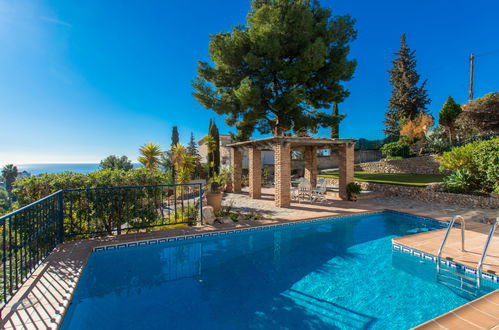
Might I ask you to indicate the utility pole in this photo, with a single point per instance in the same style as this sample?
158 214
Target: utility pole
472 68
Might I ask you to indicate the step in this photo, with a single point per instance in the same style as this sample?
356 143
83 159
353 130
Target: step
459 288
458 274
474 286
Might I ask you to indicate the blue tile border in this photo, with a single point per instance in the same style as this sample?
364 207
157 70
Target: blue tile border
445 262
116 246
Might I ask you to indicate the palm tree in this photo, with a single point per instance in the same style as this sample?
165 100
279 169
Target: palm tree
9 173
150 155
182 162
177 153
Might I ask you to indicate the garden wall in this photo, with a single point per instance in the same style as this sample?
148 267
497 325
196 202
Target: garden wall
415 165
427 195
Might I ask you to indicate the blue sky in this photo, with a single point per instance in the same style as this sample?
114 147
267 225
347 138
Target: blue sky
82 80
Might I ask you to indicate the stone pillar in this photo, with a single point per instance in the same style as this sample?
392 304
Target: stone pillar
310 157
282 175
255 172
237 169
346 167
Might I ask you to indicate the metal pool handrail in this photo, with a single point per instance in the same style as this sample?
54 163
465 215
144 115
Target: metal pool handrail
484 252
451 224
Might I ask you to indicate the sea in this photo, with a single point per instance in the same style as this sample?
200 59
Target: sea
36 169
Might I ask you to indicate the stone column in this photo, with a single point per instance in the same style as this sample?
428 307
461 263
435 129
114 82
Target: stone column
255 172
237 169
310 157
282 176
346 167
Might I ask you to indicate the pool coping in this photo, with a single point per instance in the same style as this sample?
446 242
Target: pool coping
223 232
84 248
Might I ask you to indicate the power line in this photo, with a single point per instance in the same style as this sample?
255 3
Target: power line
491 52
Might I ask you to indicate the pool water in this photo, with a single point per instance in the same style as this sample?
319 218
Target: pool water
338 273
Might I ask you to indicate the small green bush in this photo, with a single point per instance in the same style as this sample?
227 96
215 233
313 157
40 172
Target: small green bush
458 158
354 188
460 182
395 149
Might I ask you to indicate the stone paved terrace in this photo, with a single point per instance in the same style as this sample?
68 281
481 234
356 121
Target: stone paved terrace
44 298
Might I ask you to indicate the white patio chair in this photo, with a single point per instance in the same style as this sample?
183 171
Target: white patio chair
304 190
319 192
294 190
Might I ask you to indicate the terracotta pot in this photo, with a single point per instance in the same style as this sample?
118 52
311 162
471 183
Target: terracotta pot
215 200
352 197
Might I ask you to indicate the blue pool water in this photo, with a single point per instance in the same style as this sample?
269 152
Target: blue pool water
339 273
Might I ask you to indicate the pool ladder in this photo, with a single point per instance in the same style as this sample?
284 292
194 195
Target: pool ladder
467 284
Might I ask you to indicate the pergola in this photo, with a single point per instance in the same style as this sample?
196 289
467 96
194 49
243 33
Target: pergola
282 147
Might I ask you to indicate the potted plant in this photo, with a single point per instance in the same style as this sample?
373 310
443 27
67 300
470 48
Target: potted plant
214 196
353 190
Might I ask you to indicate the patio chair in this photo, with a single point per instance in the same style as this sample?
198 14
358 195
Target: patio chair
304 190
294 189
319 192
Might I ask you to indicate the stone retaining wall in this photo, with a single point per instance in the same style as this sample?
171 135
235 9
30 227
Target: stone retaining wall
415 165
427 195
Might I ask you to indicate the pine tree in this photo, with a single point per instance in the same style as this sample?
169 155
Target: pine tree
408 100
192 150
335 128
277 73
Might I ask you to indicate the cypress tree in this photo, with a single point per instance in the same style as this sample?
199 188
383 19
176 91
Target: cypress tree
216 136
335 128
168 163
175 138
210 155
408 100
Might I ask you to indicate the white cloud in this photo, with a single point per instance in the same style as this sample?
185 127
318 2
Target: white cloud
55 21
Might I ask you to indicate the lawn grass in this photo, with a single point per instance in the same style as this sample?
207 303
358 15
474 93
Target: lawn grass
419 180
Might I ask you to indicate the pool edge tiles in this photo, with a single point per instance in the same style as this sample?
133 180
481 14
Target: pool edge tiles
448 263
118 246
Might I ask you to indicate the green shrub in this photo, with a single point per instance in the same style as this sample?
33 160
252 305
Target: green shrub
479 159
458 158
354 188
395 149
460 182
486 158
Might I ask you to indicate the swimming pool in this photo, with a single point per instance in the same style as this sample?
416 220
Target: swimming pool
338 273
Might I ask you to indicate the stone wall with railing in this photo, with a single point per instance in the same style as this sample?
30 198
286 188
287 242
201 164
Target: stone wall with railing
426 194
414 165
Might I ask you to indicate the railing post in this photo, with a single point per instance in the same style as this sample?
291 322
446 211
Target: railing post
201 203
60 216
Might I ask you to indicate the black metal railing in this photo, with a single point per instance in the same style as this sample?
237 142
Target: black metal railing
29 234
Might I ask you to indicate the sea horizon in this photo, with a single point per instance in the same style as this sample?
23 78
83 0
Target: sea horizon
39 168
